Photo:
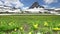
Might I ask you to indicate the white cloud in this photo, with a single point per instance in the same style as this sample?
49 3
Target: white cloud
24 8
50 1
7 3
18 4
53 7
1 3
47 6
10 2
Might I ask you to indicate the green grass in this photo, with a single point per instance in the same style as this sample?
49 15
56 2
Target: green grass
16 24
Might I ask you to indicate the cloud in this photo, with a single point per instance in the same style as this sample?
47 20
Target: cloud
24 8
53 7
47 7
17 3
7 3
50 1
1 3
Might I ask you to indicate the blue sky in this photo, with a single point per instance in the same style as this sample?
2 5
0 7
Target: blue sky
30 2
24 4
45 3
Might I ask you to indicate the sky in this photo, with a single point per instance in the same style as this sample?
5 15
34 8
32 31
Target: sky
25 4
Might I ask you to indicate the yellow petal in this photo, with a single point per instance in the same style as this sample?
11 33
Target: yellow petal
35 25
15 29
21 28
30 32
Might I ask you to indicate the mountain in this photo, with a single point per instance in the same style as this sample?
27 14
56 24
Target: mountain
36 4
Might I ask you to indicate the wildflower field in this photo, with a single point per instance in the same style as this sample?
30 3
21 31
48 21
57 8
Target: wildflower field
30 24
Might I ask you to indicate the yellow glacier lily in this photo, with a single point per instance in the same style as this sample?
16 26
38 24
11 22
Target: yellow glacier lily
35 26
30 33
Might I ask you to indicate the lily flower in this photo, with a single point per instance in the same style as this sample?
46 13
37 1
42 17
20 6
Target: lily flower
35 26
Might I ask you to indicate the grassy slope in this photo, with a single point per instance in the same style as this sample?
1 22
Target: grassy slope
11 22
